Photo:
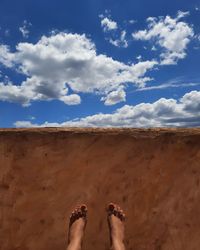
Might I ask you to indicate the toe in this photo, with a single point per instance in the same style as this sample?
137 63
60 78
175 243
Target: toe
111 207
119 215
118 208
83 207
76 208
122 216
80 215
73 214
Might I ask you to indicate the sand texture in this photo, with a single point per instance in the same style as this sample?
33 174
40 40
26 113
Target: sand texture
153 174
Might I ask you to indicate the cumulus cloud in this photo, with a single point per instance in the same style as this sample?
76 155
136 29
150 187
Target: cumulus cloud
6 57
71 99
108 24
24 29
13 93
25 124
184 112
62 61
171 34
115 97
192 102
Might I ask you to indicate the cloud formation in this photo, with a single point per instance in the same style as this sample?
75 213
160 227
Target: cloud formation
115 97
168 85
163 113
62 61
171 34
108 24
24 29
115 35
121 42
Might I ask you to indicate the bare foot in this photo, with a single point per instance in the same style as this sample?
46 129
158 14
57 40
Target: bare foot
77 224
116 219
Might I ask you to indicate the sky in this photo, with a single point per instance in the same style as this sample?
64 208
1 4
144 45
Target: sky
99 63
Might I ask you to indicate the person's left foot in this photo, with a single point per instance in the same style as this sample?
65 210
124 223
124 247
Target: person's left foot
77 224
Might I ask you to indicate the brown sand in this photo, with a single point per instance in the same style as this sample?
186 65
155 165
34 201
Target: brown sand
153 174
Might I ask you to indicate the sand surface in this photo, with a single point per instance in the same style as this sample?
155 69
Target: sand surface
153 174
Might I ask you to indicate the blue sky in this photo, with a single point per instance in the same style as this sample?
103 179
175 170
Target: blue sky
100 63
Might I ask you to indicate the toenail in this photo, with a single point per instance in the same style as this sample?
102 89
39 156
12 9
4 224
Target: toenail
83 207
111 206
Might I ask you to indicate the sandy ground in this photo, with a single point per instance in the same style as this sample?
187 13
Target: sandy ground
153 174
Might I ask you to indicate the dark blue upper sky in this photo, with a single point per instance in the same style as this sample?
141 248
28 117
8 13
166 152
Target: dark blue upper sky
50 18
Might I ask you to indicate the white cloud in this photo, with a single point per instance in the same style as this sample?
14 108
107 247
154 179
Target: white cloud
71 99
168 85
169 33
6 57
182 14
139 58
115 97
116 38
25 124
121 42
64 60
24 29
13 93
153 48
132 21
107 24
192 102
163 113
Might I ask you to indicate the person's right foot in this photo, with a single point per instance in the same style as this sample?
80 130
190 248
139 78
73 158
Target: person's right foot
116 219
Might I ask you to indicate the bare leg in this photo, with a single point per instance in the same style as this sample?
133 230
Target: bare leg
116 219
77 224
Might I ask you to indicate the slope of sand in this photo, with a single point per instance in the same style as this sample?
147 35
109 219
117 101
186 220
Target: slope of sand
153 174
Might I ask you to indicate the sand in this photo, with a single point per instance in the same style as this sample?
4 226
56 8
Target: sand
154 175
